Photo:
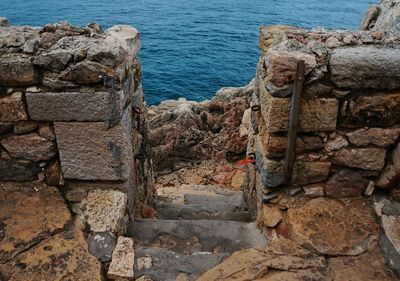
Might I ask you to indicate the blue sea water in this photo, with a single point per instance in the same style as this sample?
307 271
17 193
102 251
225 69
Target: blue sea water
191 48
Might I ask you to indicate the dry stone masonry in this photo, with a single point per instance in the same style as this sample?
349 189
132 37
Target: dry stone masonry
72 114
348 142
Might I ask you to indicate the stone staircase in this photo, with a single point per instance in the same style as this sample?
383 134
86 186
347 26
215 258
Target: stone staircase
198 227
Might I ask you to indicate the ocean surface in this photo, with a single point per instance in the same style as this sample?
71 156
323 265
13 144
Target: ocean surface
191 48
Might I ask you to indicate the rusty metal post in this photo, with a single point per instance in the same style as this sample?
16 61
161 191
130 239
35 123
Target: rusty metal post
294 122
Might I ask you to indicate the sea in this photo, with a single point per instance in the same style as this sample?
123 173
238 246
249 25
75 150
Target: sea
192 48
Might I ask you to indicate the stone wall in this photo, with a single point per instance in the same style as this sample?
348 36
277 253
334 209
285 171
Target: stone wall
72 115
349 114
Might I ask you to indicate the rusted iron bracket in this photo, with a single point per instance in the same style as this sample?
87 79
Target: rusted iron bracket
293 122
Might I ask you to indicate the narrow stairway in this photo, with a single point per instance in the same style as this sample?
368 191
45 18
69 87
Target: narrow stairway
198 227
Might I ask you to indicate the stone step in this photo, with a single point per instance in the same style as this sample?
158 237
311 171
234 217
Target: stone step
165 265
197 206
190 236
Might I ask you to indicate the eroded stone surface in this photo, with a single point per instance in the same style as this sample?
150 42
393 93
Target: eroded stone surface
61 257
332 227
346 183
123 258
30 147
17 70
377 136
29 216
104 210
12 108
372 159
390 175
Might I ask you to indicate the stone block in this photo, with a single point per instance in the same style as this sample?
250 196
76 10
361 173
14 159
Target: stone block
366 67
85 72
18 170
24 127
271 171
314 190
315 115
370 159
105 210
101 245
12 108
379 109
126 36
74 106
377 136
90 151
281 66
54 61
31 147
391 174
346 183
390 241
17 70
123 259
270 216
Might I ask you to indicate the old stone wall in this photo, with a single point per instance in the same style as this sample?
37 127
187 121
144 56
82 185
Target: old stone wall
72 115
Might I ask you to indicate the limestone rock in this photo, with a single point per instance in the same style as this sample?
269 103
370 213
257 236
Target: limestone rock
369 18
74 106
316 115
336 144
390 241
18 70
126 36
30 147
366 68
372 159
108 55
101 245
270 216
380 109
90 151
333 227
58 258
389 16
27 217
378 136
346 183
105 210
18 170
12 108
123 258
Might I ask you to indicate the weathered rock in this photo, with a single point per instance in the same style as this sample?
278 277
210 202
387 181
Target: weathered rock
53 174
12 108
18 170
30 147
90 151
54 61
270 216
368 266
105 210
27 217
101 245
346 183
60 257
108 55
6 127
316 115
332 227
123 258
4 22
74 106
47 132
85 72
390 241
336 144
381 109
390 175
389 16
372 159
18 70
332 42
24 127
377 136
126 36
369 18
366 68
314 190
280 74
370 189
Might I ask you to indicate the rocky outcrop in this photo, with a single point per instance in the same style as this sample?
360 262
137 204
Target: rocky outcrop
385 16
185 131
